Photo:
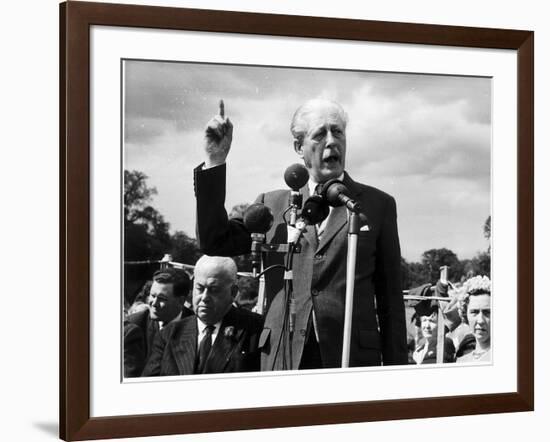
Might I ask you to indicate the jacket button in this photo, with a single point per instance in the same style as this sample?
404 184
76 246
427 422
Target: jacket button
303 332
314 292
319 256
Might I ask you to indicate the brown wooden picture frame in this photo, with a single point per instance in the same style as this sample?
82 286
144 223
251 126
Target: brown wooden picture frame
75 21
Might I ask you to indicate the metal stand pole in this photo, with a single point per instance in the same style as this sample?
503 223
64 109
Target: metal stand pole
350 285
441 320
260 303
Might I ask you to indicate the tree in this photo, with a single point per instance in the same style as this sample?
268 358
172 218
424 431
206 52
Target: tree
138 212
487 228
482 264
433 259
136 194
184 249
483 259
238 210
413 274
146 233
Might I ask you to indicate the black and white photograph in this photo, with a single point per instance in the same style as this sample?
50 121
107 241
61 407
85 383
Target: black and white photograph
275 220
288 218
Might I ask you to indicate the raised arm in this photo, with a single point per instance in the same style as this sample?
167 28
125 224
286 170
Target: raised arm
216 234
218 136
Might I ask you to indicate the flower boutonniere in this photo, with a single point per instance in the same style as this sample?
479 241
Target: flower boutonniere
229 332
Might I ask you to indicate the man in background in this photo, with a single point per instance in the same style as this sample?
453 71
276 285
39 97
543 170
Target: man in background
166 304
220 338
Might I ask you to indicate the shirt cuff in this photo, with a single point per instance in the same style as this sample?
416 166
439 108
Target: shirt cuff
203 166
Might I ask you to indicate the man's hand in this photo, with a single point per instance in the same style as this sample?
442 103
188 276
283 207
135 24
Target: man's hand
217 138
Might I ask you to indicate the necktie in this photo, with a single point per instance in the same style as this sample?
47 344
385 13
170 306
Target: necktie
319 226
204 347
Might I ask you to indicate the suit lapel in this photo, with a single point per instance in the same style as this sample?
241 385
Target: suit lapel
223 345
184 347
337 219
311 236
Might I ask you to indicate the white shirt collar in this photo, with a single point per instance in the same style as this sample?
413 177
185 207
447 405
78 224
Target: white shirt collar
312 184
320 228
177 318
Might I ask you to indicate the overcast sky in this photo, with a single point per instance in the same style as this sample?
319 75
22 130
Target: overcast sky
424 139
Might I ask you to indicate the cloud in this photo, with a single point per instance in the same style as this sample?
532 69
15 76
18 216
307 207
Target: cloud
424 139
438 89
142 130
416 135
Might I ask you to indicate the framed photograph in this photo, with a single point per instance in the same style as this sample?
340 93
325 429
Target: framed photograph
178 125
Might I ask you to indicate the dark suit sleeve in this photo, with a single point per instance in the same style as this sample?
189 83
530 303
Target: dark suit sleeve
389 297
134 350
449 351
216 234
153 365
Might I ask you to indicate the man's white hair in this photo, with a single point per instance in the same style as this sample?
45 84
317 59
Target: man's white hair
299 125
223 263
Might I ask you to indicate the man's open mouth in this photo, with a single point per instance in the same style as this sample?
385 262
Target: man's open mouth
330 157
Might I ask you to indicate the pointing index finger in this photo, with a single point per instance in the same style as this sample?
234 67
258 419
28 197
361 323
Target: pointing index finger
222 109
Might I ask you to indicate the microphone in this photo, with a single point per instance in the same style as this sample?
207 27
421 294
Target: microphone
258 219
296 176
335 193
315 210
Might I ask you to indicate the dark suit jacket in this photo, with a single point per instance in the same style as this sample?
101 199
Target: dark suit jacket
139 333
378 326
431 355
234 350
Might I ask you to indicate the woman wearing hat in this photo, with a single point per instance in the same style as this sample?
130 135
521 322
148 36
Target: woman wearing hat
478 315
425 319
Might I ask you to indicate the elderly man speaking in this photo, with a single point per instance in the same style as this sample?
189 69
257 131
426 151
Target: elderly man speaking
220 338
378 333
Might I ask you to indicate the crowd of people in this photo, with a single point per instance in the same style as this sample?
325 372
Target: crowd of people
466 318
207 333
165 327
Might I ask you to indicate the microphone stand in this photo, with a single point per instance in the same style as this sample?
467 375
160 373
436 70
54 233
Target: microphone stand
290 313
353 231
261 291
289 316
